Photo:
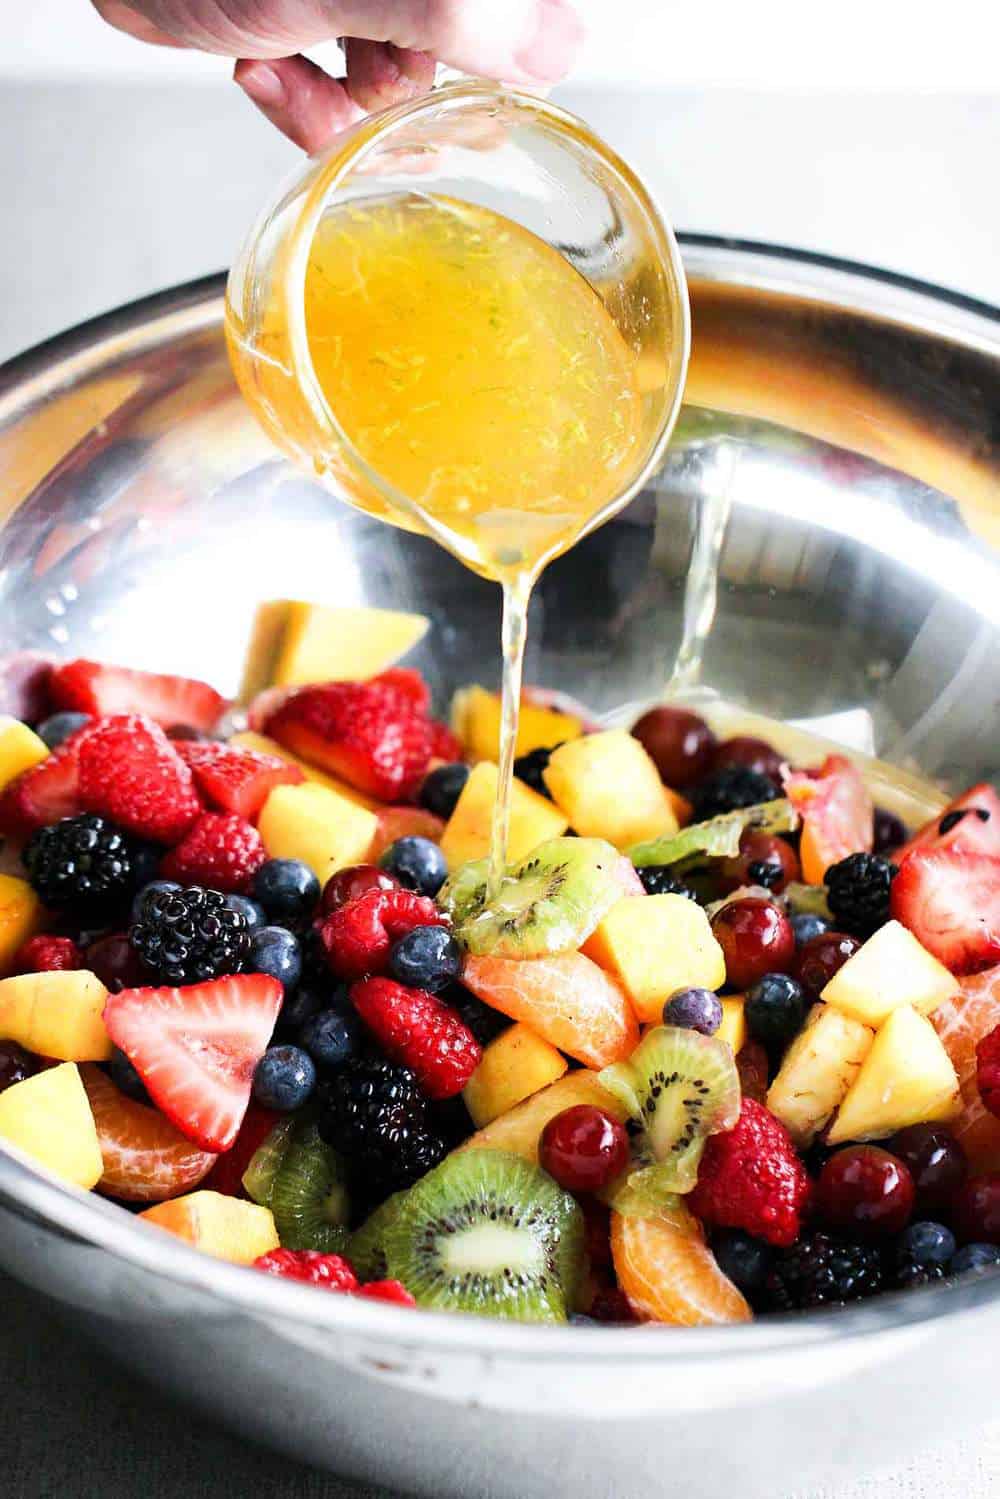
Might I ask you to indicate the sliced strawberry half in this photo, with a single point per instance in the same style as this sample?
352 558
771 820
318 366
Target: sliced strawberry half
950 900
196 1048
409 683
367 733
92 687
47 791
838 817
971 821
130 772
234 779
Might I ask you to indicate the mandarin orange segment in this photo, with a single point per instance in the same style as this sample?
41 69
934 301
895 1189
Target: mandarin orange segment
962 1023
669 1274
403 822
837 815
567 1000
146 1158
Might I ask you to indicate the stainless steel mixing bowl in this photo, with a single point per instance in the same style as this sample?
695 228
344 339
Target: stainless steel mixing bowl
854 420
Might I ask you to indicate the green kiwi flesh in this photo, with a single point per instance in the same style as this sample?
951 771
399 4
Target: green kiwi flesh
681 1087
488 1232
366 1246
308 1197
266 1161
718 837
549 902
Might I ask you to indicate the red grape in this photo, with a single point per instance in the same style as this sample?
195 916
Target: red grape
756 937
116 963
863 1189
751 753
976 1210
937 1164
583 1148
347 884
680 743
821 957
762 860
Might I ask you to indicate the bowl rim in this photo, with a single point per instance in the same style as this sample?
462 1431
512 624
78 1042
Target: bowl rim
34 1195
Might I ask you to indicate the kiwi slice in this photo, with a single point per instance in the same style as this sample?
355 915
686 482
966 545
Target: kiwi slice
718 837
488 1232
681 1087
308 1197
550 902
266 1161
808 900
366 1246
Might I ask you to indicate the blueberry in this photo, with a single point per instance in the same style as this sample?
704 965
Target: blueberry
428 957
417 863
745 1260
146 860
484 1023
926 1244
155 887
332 1037
974 1257
694 1010
275 951
252 913
125 1077
300 1005
806 924
287 889
443 787
775 1009
56 729
284 1078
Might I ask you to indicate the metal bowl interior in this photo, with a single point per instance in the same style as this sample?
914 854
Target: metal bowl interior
854 421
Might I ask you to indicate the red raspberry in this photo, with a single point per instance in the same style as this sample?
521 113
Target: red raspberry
387 1290
47 954
368 733
221 851
751 1064
988 1071
358 936
331 1271
131 773
751 1178
416 1030
444 745
408 682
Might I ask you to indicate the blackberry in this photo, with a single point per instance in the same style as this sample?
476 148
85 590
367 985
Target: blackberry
857 892
659 879
84 862
821 1270
188 936
907 1274
729 789
374 1114
529 768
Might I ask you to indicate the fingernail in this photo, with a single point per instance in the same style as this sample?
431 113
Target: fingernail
555 42
262 84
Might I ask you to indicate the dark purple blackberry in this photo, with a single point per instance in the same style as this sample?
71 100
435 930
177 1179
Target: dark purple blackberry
529 769
821 1270
81 862
729 789
857 892
660 879
374 1114
189 936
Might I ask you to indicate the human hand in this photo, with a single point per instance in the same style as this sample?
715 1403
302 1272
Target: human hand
392 48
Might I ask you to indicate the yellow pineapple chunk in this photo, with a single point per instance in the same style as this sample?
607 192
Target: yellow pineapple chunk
514 1066
294 642
818 1071
318 826
265 746
533 819
609 788
906 1078
21 916
57 1015
475 718
734 1022
216 1224
889 970
48 1116
654 945
520 1129
20 749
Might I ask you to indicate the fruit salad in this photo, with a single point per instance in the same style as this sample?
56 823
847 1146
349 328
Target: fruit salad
725 1043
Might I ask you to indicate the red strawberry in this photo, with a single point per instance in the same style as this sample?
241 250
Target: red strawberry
418 1031
233 779
367 733
46 792
444 745
130 772
222 851
386 1290
331 1271
226 1176
91 687
950 900
358 936
196 1048
988 1071
47 954
751 1178
408 682
971 821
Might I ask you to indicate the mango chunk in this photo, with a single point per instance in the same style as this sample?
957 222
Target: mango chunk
48 1116
608 787
654 945
21 916
906 1078
889 970
475 718
20 749
57 1015
733 1029
520 1129
515 1065
294 642
318 826
226 1227
533 819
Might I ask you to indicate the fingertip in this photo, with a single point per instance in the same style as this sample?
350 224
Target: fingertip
557 36
303 102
